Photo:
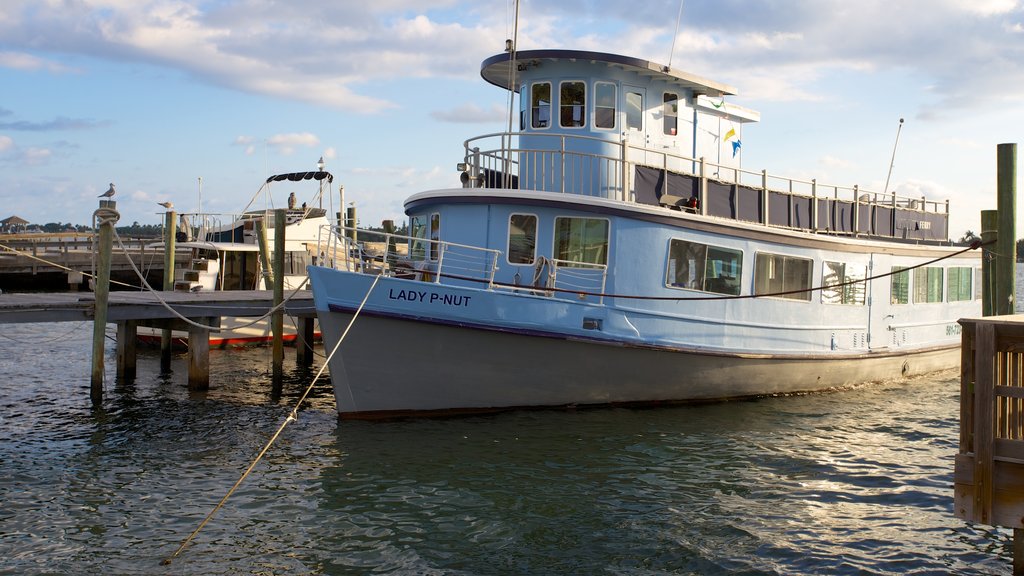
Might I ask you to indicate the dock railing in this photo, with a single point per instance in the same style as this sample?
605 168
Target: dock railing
591 166
989 470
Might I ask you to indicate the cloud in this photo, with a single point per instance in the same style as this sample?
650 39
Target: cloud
29 62
471 114
59 123
286 143
6 143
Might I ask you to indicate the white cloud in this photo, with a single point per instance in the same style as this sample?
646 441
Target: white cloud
286 143
470 113
6 143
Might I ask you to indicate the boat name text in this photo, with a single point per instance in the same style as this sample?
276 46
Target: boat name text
428 297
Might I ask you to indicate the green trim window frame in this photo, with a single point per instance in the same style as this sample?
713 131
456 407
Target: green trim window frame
927 285
540 105
522 239
670 113
840 283
696 266
958 284
605 100
899 286
774 273
572 104
581 240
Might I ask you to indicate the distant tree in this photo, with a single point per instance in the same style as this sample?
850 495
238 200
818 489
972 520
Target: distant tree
967 238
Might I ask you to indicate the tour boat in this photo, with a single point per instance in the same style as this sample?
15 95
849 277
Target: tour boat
614 251
226 255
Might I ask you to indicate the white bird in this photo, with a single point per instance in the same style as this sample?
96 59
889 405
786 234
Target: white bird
167 205
108 193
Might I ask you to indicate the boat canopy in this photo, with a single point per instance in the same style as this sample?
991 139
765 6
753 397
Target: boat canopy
299 176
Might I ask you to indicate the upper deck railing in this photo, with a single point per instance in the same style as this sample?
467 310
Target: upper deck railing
591 166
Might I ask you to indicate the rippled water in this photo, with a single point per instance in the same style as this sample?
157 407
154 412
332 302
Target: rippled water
856 482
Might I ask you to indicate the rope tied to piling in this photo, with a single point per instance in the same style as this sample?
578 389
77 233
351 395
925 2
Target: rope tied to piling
292 417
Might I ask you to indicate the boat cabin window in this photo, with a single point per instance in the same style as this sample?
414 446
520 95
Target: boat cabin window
634 111
774 273
572 103
958 284
418 232
670 112
523 99
605 97
840 283
295 263
540 105
522 238
706 268
435 235
927 285
899 286
581 241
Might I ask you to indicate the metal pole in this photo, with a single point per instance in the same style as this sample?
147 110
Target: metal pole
893 160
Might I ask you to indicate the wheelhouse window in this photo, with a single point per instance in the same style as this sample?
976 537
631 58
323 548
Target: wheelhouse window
706 268
775 273
418 232
958 284
604 105
435 235
572 102
634 111
842 283
899 286
581 240
670 112
540 105
927 284
522 238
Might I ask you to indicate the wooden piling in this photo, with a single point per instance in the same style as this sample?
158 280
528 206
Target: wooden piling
127 338
261 238
304 341
170 237
989 226
1006 243
277 319
199 355
108 217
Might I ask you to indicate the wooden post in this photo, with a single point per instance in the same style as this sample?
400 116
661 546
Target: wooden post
127 335
304 342
277 319
170 231
199 355
1006 244
261 238
108 217
989 223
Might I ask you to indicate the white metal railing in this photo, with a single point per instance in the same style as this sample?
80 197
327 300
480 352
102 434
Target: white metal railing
588 165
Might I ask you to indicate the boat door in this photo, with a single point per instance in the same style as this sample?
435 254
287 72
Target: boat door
638 123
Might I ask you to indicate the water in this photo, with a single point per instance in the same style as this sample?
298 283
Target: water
857 482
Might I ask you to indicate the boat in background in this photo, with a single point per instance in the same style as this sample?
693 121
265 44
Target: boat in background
614 251
226 255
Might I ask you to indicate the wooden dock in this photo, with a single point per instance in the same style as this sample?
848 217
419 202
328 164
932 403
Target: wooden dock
131 309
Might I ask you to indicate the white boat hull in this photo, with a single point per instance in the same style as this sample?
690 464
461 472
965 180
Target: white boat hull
475 369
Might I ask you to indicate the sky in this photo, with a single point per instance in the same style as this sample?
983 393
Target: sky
198 101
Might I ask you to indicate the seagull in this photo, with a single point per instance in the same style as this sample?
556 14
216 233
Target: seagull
167 205
108 193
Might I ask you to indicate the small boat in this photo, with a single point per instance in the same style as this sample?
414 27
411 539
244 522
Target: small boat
614 251
226 255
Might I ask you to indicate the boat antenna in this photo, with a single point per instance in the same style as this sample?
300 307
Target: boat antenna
893 160
510 47
679 19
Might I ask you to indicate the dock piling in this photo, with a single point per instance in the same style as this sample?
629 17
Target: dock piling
170 231
107 216
277 319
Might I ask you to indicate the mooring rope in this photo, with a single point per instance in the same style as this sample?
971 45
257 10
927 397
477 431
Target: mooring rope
292 416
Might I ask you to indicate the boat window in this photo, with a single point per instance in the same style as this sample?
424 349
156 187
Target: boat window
604 105
581 240
958 284
435 235
540 105
977 284
295 262
572 102
774 273
522 238
634 111
671 113
707 268
899 287
928 284
840 284
418 231
523 99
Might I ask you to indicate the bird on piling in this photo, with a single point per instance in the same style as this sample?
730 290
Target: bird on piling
167 205
108 193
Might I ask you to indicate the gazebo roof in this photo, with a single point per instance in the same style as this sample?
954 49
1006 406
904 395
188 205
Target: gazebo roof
13 220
